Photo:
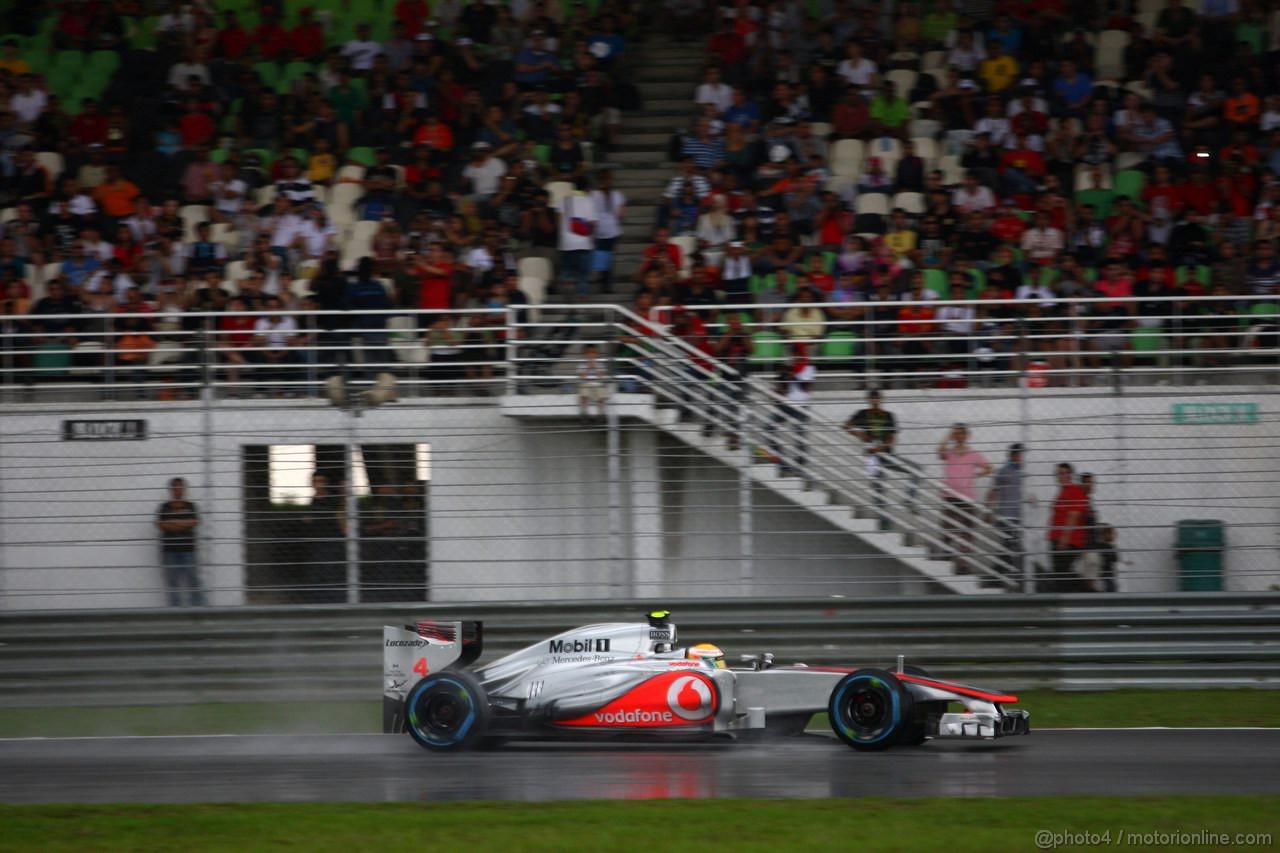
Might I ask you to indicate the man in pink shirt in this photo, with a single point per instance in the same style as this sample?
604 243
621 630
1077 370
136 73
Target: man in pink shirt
962 466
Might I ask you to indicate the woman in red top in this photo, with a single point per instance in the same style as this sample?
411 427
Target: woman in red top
435 283
235 335
412 13
127 249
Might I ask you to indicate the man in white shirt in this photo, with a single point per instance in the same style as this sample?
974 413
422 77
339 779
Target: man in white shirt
276 341
361 50
484 171
28 102
294 185
228 192
1042 242
609 205
971 196
285 224
714 91
578 220
180 73
78 201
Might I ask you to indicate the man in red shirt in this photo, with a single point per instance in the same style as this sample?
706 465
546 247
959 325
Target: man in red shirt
307 39
727 46
270 37
661 255
90 127
411 13
232 38
1199 195
1163 197
435 283
1021 167
1068 535
1008 226
195 127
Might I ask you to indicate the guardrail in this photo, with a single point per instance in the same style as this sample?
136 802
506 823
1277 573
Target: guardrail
915 342
1080 642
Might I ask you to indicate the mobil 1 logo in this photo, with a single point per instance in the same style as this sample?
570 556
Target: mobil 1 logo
579 646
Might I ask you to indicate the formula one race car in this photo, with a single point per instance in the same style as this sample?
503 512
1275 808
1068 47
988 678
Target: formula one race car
631 679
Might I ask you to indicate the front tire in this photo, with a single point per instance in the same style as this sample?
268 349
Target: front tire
870 709
447 711
914 734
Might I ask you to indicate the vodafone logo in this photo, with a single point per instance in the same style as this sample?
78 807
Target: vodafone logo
633 716
689 698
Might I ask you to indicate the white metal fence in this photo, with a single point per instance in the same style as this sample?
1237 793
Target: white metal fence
534 504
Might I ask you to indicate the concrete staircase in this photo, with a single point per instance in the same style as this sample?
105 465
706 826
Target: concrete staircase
666 74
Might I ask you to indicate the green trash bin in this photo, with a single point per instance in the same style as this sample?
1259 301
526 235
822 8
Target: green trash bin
1200 545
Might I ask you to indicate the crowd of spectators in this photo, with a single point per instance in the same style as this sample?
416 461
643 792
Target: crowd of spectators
879 152
264 156
846 155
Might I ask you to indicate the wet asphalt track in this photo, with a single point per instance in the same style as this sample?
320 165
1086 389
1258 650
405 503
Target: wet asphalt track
302 768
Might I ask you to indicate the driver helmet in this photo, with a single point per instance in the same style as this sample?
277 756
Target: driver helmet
708 653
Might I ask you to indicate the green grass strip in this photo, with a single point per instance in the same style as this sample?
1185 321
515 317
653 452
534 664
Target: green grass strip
1049 709
871 824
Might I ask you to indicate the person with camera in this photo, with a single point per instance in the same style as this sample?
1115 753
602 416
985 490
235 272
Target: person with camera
577 226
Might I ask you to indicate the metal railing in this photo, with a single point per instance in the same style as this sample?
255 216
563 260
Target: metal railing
1080 341
334 653
766 424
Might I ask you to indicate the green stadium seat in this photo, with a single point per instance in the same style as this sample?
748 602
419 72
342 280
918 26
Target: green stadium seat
1185 273
268 73
936 280
1147 341
1252 33
103 62
839 346
363 155
768 349
1130 182
73 59
39 60
145 36
266 155
979 277
1102 201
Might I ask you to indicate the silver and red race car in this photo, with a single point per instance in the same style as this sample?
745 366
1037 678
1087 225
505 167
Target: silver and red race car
631 679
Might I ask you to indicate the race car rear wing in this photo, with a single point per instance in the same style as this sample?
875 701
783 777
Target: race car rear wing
414 651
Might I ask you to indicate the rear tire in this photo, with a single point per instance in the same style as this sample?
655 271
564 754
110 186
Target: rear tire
870 710
447 710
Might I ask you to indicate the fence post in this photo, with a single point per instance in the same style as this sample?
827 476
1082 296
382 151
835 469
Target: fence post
512 348
1024 436
617 561
352 507
746 530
